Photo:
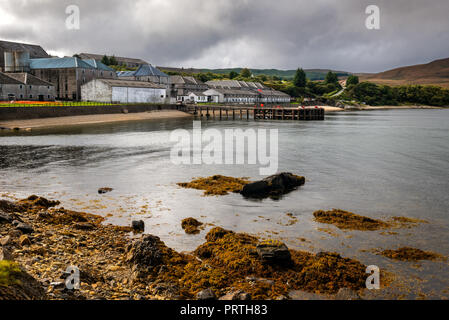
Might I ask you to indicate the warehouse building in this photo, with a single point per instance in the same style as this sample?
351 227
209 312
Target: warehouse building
35 89
263 94
123 91
145 72
14 56
69 74
10 88
180 87
232 96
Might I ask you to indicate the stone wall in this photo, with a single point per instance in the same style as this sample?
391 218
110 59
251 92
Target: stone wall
23 113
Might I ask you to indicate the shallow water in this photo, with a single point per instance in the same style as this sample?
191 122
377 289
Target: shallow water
379 164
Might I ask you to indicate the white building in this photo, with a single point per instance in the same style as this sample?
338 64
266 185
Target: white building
219 95
123 91
196 97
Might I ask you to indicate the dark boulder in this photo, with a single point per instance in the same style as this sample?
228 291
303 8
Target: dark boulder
25 228
105 190
5 218
273 252
8 207
274 186
147 252
138 226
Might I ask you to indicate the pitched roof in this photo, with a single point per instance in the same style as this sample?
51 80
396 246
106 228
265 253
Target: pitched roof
235 84
148 70
234 92
34 50
5 79
185 80
59 63
98 65
119 59
29 79
130 83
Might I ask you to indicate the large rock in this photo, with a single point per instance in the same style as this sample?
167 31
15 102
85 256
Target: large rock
8 206
25 228
274 252
274 186
5 218
146 253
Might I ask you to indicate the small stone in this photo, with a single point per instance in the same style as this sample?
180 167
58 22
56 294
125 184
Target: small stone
138 226
207 294
347 294
5 254
24 240
25 228
84 226
236 295
105 190
5 241
57 284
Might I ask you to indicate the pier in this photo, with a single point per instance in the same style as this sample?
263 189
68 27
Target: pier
257 113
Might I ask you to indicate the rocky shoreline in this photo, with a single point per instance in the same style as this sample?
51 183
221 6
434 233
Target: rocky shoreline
42 240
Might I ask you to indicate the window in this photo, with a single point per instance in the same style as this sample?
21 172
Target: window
31 96
31 87
21 87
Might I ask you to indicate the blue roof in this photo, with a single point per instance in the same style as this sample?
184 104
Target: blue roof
126 73
59 63
149 70
97 64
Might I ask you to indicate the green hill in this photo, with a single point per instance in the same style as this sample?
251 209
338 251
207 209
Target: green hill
312 74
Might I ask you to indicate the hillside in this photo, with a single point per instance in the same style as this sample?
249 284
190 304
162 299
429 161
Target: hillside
433 73
312 74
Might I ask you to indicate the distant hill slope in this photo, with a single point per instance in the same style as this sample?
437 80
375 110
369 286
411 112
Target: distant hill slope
312 74
433 73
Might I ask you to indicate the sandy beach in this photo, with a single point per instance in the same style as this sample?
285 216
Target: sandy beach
92 119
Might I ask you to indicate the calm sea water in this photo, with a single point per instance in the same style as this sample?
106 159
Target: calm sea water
378 164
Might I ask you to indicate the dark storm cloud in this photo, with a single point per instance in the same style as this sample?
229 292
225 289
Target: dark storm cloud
227 33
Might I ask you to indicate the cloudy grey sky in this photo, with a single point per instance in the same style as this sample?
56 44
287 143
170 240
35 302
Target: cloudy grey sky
280 34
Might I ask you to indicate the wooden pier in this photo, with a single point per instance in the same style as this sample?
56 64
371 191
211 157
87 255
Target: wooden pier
257 113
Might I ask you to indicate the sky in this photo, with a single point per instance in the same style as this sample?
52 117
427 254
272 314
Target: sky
281 34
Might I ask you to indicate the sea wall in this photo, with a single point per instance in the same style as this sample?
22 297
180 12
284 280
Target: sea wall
24 113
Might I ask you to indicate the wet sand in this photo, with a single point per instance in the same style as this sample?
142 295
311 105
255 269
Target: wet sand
91 119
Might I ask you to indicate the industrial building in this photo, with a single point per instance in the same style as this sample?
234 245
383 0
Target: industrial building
220 95
180 87
228 91
145 72
69 74
14 56
35 89
123 91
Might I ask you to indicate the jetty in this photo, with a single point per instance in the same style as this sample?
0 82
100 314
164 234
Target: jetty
256 113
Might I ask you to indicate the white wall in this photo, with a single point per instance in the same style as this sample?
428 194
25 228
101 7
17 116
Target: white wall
138 95
96 91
